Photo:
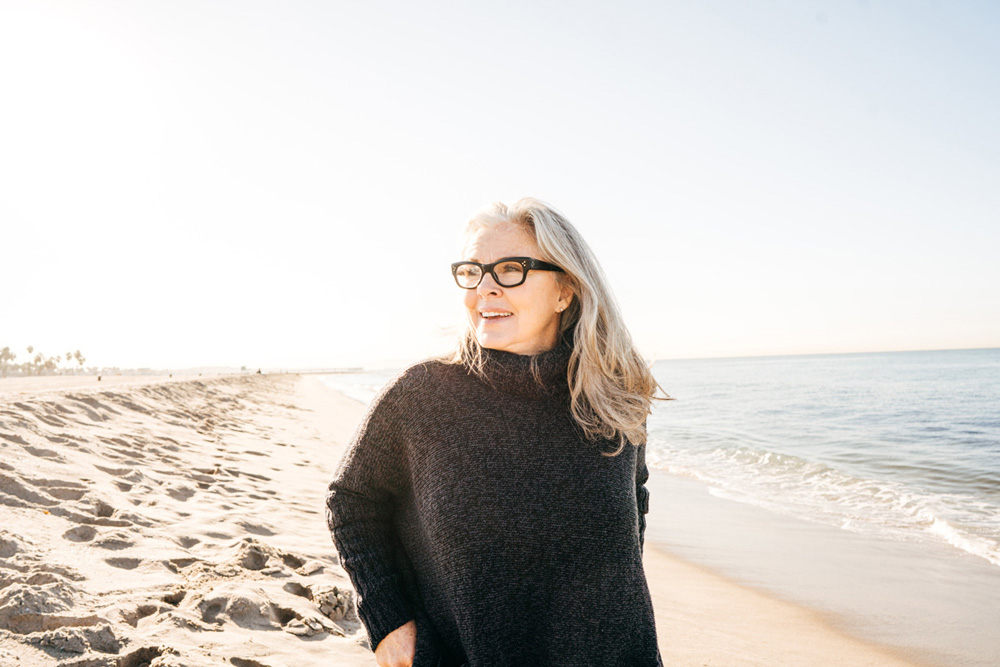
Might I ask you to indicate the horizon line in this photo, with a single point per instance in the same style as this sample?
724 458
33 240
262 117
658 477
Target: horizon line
826 354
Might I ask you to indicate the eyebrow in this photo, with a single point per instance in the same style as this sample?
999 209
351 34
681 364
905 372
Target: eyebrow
479 261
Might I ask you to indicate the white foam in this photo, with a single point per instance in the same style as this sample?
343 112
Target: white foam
984 548
815 491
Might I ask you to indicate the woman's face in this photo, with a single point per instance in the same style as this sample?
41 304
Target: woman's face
522 319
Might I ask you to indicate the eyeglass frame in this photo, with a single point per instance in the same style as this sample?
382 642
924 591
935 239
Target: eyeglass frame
527 264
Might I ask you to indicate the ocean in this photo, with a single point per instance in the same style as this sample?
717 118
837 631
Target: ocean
904 445
866 486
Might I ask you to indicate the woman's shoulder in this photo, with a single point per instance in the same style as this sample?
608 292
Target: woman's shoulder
411 397
428 375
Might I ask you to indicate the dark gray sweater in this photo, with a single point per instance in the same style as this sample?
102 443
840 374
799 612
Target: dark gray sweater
479 510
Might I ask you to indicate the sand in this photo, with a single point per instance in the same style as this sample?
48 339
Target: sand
180 523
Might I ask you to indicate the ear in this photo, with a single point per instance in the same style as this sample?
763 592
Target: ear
565 298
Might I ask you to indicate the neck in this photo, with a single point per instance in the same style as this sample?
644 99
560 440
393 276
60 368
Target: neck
537 375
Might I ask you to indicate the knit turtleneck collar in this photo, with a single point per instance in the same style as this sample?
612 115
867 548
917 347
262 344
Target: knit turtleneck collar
512 373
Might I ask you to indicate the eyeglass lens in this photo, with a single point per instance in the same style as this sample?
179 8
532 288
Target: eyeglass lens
507 274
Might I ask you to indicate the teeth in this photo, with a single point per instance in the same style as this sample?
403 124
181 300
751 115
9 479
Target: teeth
492 313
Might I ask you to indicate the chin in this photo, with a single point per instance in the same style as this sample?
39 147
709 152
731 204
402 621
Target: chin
492 343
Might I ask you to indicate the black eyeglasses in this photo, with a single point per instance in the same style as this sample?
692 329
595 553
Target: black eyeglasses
507 272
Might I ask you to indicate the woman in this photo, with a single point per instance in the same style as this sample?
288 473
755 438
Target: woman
490 508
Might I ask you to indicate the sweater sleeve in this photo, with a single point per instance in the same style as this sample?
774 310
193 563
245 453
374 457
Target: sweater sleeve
641 492
360 505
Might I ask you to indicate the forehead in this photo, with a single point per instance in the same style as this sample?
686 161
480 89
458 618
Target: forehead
489 244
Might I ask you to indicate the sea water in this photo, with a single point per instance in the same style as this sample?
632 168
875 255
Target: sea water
904 445
863 485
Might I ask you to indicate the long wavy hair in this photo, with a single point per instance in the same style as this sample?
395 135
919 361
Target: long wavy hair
611 386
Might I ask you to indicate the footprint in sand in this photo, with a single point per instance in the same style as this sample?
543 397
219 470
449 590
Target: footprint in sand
14 493
43 453
143 656
63 490
115 541
76 517
120 452
9 545
174 598
126 403
92 415
27 608
188 542
42 578
129 474
133 614
256 528
180 492
175 565
254 607
124 563
246 662
67 439
93 403
101 509
80 534
121 442
16 439
50 420
100 638
254 558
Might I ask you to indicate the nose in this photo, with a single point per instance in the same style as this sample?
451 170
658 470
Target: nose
488 286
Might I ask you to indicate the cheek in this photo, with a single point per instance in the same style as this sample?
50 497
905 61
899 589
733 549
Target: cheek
548 319
539 315
469 299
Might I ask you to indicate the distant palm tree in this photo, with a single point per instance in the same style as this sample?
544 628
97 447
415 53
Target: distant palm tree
51 364
6 356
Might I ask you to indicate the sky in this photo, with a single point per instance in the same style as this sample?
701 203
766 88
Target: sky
284 184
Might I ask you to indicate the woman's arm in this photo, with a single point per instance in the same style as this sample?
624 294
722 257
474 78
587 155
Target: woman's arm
641 492
360 505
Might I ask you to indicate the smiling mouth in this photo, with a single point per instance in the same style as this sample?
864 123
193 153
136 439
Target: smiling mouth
494 314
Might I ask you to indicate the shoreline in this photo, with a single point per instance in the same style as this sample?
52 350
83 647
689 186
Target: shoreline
705 618
927 603
154 521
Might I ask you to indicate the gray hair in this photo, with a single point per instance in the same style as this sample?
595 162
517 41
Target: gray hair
611 386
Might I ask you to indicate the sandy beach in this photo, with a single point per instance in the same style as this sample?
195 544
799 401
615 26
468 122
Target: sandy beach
179 523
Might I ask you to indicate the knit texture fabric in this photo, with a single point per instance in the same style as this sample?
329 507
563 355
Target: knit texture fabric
476 507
